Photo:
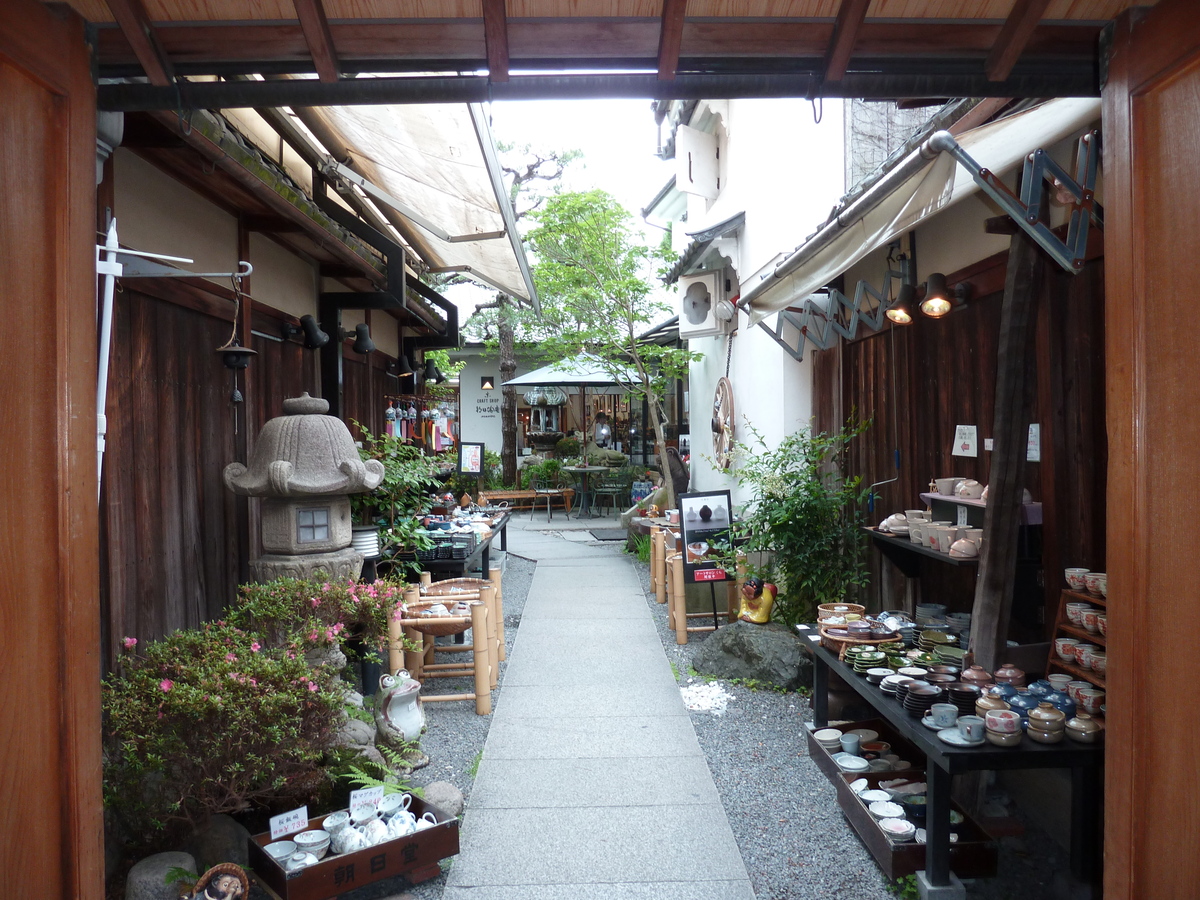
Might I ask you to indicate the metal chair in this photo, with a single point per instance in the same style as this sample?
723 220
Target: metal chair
548 494
615 487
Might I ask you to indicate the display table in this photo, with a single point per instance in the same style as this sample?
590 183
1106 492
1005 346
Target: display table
944 761
460 568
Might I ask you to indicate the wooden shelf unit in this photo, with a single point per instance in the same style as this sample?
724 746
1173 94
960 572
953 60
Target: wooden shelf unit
1064 628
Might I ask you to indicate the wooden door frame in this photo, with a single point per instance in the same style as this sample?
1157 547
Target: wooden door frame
54 655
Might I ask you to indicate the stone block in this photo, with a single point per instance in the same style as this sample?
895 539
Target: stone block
147 880
769 653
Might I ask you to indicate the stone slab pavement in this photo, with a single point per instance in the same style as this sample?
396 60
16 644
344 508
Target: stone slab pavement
592 784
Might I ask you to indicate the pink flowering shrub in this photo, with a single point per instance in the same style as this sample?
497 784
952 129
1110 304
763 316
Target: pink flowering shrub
212 720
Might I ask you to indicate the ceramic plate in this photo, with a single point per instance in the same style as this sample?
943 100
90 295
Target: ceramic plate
875 796
954 738
885 809
853 764
858 785
928 723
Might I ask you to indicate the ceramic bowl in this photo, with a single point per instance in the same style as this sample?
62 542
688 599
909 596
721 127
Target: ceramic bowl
1003 721
1045 737
964 549
314 842
914 807
885 809
898 829
1003 738
848 763
875 795
878 748
281 851
1075 612
1075 578
299 860
1065 648
1092 581
1099 662
1102 623
946 486
969 490
1090 699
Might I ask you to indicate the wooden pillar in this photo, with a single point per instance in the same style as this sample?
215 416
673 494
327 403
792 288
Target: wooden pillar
496 577
487 594
1015 360
658 563
414 658
483 683
679 599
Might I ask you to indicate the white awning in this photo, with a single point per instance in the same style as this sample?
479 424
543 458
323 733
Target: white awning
920 186
439 161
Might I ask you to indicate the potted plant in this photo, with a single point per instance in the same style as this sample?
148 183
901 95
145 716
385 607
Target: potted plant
408 475
804 517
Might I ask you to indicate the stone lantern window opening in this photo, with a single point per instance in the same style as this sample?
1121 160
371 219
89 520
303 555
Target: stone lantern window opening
312 525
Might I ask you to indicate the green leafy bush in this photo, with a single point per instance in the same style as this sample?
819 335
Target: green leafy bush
568 447
408 476
806 512
212 720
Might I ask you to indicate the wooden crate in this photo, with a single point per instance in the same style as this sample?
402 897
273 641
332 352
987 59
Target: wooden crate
415 856
900 746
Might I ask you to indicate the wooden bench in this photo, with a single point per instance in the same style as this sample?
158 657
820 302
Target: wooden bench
523 499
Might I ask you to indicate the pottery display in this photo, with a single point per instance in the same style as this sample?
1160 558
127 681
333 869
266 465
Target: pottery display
976 675
1010 674
1084 729
1003 738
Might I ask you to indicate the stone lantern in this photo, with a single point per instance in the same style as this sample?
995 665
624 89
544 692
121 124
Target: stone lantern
304 468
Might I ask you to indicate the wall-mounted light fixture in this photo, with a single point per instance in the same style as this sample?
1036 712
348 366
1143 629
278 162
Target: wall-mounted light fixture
487 382
430 370
936 302
362 340
901 312
314 337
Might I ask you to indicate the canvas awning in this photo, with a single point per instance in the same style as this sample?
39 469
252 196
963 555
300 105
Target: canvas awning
921 185
439 161
581 371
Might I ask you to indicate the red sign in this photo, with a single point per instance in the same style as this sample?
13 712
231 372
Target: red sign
710 574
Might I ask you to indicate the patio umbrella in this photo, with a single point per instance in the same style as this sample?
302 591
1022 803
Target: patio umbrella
583 371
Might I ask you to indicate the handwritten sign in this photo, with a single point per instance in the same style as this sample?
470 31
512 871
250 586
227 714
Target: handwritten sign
365 797
289 822
1033 449
966 441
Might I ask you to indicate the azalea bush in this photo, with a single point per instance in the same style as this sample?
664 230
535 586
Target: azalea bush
212 720
804 514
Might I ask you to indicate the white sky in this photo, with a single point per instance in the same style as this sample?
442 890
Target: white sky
619 141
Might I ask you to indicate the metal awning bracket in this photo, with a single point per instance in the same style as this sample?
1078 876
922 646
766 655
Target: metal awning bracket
1078 192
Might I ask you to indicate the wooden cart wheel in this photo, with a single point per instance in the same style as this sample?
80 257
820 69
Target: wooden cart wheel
722 423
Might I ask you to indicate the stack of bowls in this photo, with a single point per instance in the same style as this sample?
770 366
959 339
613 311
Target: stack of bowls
314 842
848 762
281 851
931 614
960 625
920 696
963 695
829 738
1004 727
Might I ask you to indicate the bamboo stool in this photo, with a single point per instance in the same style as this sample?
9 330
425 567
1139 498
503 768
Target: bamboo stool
422 631
466 590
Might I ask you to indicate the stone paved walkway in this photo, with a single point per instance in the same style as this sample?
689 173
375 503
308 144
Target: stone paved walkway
592 783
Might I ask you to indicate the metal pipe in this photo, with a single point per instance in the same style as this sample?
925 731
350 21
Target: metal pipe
879 192
1073 80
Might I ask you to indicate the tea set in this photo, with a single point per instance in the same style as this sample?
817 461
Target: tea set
345 832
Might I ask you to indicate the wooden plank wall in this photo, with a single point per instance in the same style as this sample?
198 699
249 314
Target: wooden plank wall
170 555
918 382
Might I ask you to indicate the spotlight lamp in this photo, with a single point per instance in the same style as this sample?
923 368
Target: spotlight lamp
430 370
900 312
314 337
362 340
487 382
936 302
404 368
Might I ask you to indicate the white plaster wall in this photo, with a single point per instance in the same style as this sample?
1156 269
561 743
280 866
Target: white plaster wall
786 172
281 279
479 410
160 215
385 332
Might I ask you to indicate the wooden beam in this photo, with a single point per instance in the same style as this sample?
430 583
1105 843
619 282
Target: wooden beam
1010 43
979 113
845 32
1015 363
319 38
495 38
135 25
670 38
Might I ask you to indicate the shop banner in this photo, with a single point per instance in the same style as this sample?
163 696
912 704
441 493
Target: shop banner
704 519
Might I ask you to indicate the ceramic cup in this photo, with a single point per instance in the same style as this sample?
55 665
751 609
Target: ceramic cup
943 715
1075 612
1074 688
1091 620
975 536
1059 681
1075 578
1065 648
1083 654
971 727
1102 623
1003 721
850 744
1099 661
394 803
1091 699
916 514
335 822
1092 580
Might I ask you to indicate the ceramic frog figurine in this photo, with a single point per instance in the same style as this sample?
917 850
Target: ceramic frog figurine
757 599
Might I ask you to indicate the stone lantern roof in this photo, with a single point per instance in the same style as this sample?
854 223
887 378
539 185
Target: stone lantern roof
304 452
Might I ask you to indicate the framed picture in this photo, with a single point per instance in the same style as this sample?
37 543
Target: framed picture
470 459
704 519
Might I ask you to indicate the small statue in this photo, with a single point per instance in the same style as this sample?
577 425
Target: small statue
222 882
757 599
465 501
399 719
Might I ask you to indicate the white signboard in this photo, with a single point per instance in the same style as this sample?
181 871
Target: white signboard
289 822
966 441
365 797
1033 451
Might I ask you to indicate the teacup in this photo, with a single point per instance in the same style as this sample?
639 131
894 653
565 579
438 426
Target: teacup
1091 699
1090 620
427 820
1075 612
1075 687
1003 721
1065 648
376 832
394 803
943 715
1075 578
850 744
364 814
1102 623
1092 581
971 727
916 515
401 823
336 821
1083 653
1099 661
1059 681
348 840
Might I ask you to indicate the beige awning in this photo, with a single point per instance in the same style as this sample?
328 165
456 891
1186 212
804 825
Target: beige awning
438 161
921 185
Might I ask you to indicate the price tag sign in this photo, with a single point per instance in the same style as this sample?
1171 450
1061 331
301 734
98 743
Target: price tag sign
366 797
962 516
288 822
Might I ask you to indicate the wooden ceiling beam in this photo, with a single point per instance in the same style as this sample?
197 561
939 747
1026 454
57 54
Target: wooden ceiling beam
495 38
670 38
1018 28
319 38
374 46
850 18
135 26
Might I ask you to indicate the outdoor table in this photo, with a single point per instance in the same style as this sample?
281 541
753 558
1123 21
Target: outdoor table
459 568
943 761
585 484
